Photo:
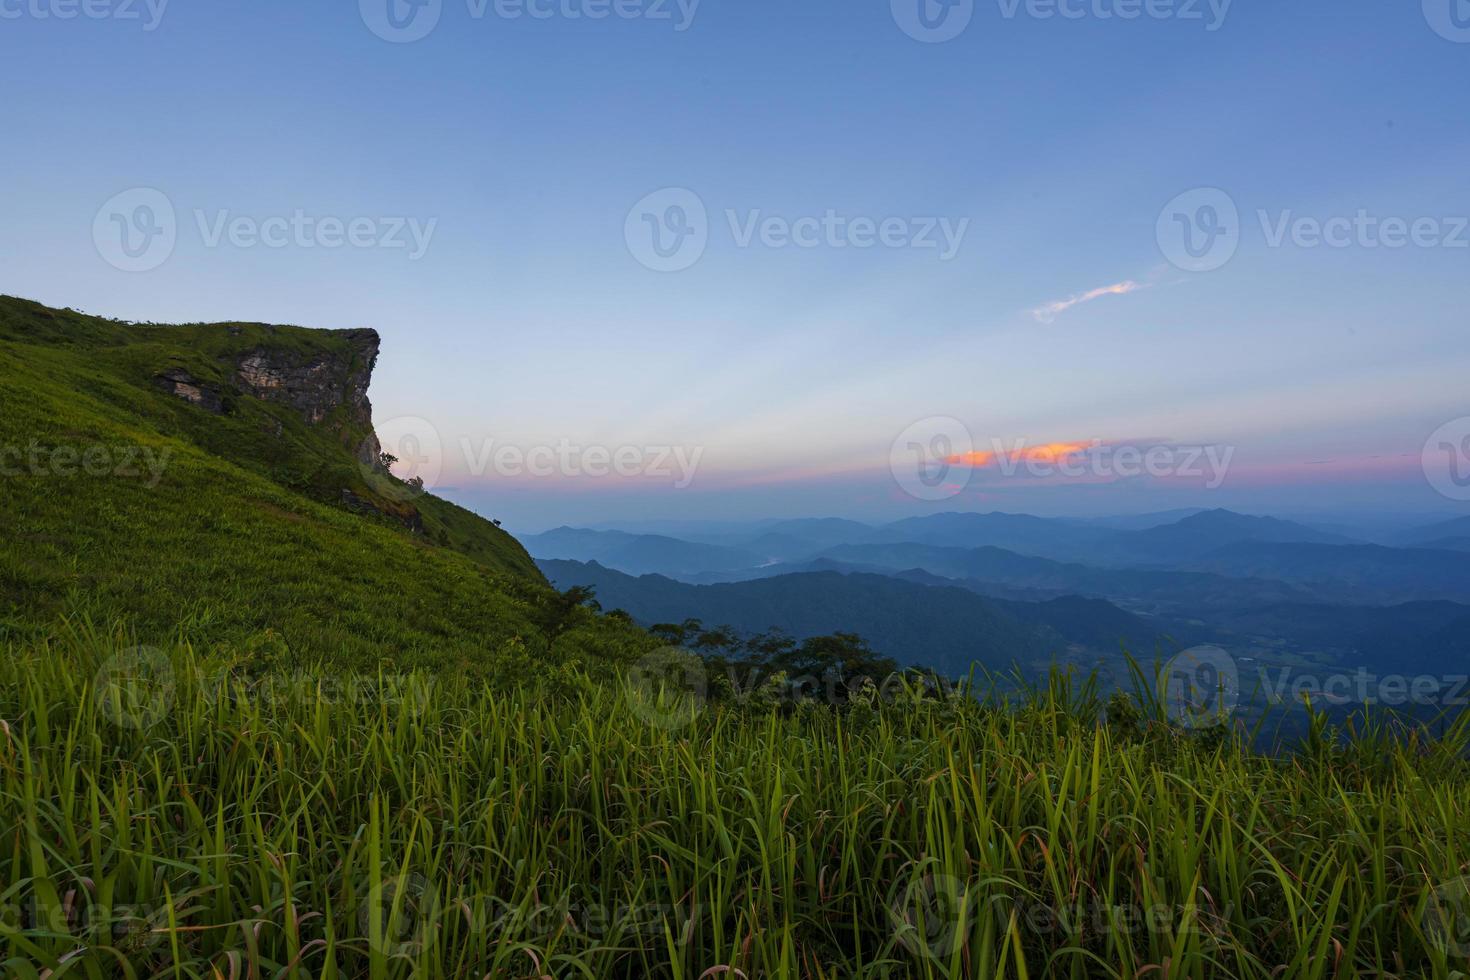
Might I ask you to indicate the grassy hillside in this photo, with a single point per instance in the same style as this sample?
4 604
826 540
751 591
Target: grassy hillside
246 523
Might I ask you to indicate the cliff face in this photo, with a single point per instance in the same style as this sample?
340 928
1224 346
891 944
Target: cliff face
315 385
318 385
323 384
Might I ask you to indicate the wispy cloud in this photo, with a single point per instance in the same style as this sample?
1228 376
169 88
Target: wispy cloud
1050 311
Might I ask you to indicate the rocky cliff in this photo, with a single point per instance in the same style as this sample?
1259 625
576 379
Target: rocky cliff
328 386
316 385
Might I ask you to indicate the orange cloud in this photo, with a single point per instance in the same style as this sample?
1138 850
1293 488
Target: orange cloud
1051 452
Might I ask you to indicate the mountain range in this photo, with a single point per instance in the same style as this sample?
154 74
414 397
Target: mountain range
1263 585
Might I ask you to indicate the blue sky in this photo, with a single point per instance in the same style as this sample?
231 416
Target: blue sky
508 156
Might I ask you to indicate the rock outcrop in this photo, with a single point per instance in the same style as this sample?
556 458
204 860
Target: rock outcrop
315 385
182 384
321 385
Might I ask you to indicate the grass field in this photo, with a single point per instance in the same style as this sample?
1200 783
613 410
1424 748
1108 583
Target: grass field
168 817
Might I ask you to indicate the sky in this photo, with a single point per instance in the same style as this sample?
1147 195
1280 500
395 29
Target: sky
737 259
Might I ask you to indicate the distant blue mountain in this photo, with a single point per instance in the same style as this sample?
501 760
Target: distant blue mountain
639 554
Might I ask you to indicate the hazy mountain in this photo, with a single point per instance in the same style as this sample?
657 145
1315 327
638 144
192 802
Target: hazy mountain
639 554
1457 529
985 569
1364 573
1021 533
1210 530
941 627
794 539
1142 522
1448 544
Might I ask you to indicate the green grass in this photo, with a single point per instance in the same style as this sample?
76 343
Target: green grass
406 827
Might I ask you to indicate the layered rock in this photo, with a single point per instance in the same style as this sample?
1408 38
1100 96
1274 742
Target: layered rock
315 385
182 384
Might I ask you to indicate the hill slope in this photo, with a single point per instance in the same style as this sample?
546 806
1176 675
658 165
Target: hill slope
222 481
